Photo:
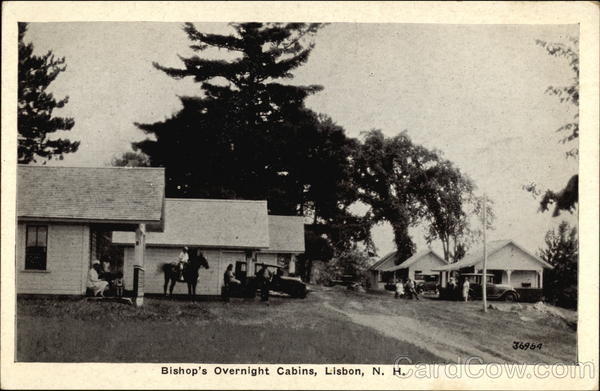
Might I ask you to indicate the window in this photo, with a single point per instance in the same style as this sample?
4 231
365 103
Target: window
418 275
36 244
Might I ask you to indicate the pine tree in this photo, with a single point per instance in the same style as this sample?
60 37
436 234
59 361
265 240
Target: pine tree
35 106
249 135
231 141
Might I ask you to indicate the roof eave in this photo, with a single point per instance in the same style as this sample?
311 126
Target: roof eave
178 245
271 251
154 224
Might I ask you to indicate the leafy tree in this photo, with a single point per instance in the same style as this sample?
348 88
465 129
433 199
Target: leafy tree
131 159
567 198
562 252
406 185
390 173
567 94
35 121
450 202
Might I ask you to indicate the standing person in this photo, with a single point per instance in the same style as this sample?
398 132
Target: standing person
106 272
182 261
264 278
412 289
452 283
399 289
106 265
229 282
452 287
465 289
94 283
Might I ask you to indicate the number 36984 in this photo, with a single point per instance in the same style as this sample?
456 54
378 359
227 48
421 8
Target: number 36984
518 345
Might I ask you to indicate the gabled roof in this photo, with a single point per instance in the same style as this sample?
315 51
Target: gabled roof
91 194
415 258
286 234
383 262
476 256
209 223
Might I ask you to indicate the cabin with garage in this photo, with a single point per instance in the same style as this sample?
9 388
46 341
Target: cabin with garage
226 231
65 216
508 262
418 267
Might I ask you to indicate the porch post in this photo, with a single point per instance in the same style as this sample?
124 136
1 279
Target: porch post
138 266
508 273
541 277
443 279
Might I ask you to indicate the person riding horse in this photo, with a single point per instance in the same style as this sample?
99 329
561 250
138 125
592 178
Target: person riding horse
182 262
173 272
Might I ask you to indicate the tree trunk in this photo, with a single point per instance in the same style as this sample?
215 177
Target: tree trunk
404 243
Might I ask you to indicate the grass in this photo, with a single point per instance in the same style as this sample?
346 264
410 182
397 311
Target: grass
329 326
286 331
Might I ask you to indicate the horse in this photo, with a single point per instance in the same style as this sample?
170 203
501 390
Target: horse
190 272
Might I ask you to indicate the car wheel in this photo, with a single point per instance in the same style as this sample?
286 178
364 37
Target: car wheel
510 297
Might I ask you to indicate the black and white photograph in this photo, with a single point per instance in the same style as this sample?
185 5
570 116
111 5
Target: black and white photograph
347 195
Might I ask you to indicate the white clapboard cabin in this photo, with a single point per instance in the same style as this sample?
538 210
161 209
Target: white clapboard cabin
507 261
388 270
226 231
64 215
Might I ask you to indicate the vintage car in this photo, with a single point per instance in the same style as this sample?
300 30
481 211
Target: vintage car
494 291
292 286
427 284
346 280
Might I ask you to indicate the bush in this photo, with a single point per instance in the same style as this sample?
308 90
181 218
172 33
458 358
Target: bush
351 263
562 252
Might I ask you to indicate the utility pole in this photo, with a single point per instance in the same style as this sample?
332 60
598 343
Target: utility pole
484 284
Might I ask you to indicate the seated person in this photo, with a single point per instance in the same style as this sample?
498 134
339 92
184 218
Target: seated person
96 285
229 282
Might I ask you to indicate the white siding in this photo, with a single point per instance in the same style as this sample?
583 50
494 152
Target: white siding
518 277
209 280
68 259
425 264
511 258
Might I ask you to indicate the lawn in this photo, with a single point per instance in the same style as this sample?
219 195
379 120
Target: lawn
329 326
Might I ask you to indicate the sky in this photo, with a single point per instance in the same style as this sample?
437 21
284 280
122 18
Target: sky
475 92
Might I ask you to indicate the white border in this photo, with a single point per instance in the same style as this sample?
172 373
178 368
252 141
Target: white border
69 376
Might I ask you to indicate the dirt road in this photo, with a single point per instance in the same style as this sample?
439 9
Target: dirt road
457 331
